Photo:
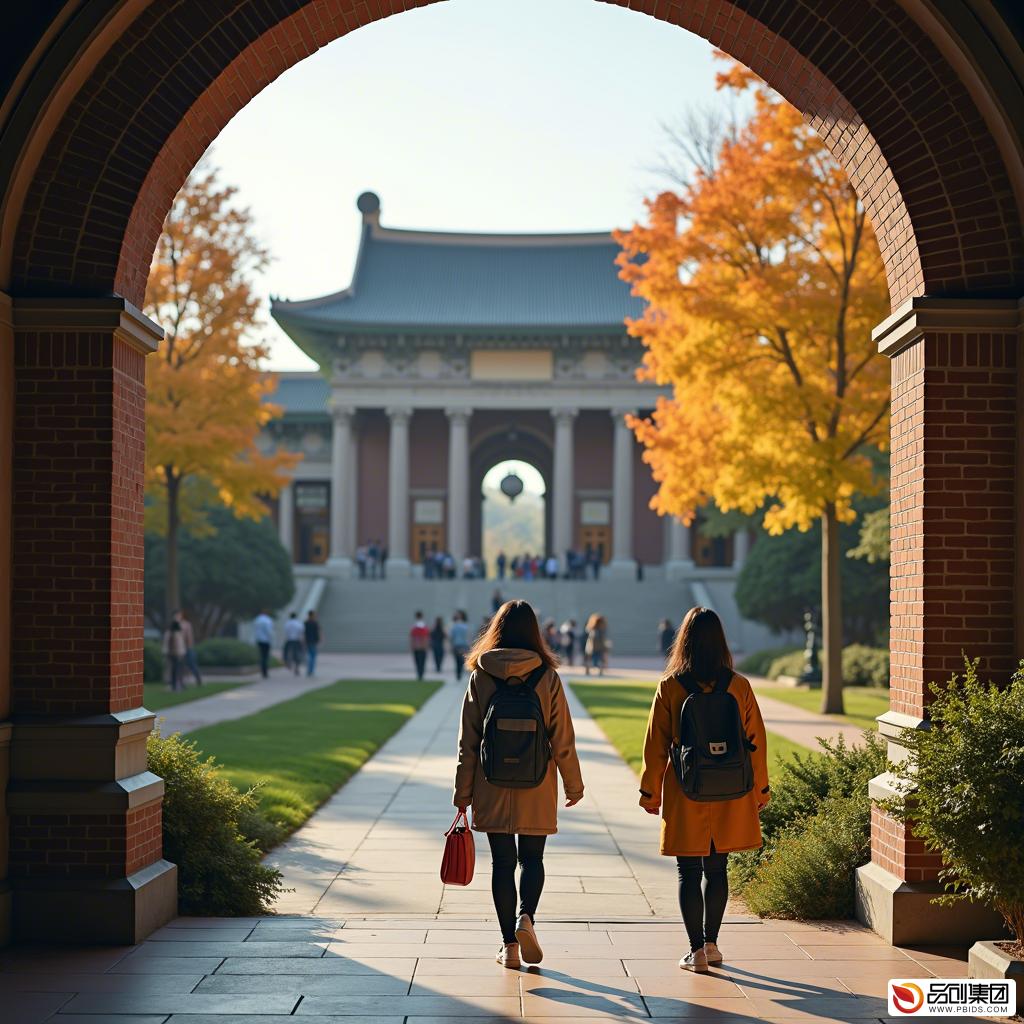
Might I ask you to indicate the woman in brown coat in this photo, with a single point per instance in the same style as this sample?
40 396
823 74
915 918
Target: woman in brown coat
701 834
512 648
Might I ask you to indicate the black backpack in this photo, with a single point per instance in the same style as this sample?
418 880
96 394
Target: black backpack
711 756
515 749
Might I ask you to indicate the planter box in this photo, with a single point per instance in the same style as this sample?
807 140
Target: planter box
986 960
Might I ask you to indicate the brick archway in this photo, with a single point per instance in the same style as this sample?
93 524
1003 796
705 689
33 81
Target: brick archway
108 107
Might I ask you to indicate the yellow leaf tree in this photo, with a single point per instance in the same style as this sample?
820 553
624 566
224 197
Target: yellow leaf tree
763 281
206 393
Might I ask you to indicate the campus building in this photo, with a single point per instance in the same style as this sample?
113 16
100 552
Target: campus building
450 354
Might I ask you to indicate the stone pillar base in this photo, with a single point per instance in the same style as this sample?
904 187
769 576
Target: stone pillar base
620 569
399 568
904 915
117 912
679 570
341 566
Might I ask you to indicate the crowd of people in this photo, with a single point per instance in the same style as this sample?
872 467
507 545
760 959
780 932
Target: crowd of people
576 565
442 565
372 557
301 642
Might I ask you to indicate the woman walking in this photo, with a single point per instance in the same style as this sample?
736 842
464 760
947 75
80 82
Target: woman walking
509 654
458 637
701 831
174 648
595 653
438 636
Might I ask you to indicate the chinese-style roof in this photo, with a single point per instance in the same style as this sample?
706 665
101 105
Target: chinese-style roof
301 394
428 281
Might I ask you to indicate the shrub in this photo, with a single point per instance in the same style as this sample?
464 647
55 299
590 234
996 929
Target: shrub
965 796
791 664
804 784
865 666
219 869
152 662
809 874
758 663
226 651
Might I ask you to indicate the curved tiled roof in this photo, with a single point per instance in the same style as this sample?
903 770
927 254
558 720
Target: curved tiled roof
433 280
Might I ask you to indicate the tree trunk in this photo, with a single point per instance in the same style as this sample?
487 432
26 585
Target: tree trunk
831 616
172 598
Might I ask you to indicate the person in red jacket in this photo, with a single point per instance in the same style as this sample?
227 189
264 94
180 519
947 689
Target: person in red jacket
419 644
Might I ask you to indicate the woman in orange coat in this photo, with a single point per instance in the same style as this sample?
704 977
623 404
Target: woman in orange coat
701 834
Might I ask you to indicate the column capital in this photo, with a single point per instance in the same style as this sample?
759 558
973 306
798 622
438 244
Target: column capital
564 414
399 413
620 412
340 413
923 313
58 315
458 413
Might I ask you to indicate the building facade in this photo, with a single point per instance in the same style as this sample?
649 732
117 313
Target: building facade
447 355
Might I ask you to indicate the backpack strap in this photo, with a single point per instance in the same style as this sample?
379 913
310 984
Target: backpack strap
688 683
535 676
725 675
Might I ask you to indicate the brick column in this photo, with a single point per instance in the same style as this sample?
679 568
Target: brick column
954 394
85 815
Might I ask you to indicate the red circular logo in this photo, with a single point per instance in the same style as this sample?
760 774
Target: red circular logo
907 997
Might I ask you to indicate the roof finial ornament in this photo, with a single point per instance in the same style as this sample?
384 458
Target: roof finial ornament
368 205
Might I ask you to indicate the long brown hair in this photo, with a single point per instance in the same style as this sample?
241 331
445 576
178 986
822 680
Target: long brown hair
700 647
514 624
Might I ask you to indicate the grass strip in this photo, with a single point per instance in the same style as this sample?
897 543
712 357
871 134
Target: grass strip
863 704
157 696
621 708
303 750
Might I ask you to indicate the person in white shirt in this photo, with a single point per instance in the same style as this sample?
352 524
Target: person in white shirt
263 635
293 634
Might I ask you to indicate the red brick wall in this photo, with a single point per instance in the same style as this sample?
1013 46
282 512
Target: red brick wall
85 845
77 524
893 848
953 445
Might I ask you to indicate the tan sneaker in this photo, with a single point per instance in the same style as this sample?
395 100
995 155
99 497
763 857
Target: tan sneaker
712 952
508 956
528 944
695 961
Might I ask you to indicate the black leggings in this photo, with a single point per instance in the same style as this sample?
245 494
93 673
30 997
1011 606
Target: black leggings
503 878
703 905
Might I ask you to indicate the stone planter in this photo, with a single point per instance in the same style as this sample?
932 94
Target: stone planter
988 961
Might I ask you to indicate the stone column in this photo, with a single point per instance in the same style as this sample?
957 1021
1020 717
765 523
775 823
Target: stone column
398 492
458 484
954 408
679 564
86 855
563 484
286 518
740 548
341 452
352 490
622 565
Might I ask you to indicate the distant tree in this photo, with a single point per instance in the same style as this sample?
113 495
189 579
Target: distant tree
873 544
204 388
229 573
781 578
763 281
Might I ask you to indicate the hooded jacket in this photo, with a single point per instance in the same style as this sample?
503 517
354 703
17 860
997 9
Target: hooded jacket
531 812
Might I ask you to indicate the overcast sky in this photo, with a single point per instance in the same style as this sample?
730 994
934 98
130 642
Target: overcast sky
476 115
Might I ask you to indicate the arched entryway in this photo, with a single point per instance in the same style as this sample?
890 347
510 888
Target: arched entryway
513 523
108 107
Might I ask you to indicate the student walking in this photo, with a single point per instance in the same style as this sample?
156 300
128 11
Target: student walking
666 636
595 653
708 810
517 813
458 637
294 633
174 649
437 642
311 631
419 642
191 659
263 635
568 637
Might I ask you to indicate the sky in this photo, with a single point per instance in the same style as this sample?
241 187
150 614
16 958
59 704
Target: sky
471 115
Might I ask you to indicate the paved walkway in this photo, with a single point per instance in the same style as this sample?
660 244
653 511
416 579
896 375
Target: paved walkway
371 935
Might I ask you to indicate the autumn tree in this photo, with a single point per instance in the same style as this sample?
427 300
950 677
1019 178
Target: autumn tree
205 390
763 281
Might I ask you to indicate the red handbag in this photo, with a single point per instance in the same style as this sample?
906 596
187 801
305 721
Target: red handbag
459 853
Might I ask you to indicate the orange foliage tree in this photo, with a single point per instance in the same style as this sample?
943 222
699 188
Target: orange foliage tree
763 281
205 390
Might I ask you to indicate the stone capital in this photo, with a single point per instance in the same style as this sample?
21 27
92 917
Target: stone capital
459 413
399 413
619 414
922 314
340 414
113 313
564 415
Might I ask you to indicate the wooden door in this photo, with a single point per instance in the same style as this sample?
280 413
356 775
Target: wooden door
426 537
599 537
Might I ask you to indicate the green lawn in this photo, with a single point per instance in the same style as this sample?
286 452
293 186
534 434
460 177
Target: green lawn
863 704
621 708
303 750
156 696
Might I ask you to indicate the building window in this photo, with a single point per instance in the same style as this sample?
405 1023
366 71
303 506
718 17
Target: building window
312 521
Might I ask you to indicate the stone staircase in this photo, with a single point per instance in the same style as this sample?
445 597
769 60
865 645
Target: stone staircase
374 616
